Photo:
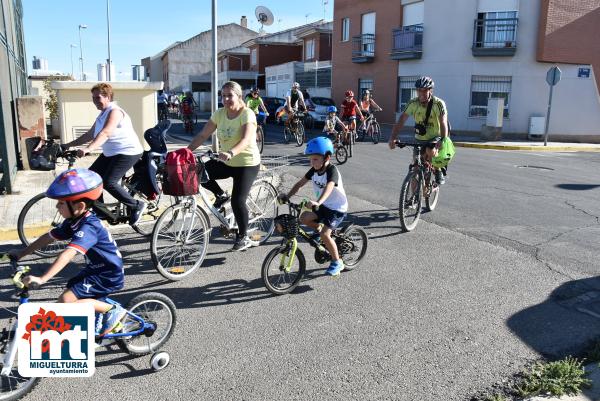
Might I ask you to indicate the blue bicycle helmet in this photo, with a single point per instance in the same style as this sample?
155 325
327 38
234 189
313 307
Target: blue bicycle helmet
76 184
319 146
332 109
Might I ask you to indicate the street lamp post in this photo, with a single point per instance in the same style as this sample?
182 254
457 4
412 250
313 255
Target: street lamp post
81 26
72 70
108 62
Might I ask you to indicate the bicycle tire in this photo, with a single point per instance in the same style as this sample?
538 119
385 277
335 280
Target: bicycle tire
281 282
39 216
341 154
14 386
376 133
179 241
260 138
351 144
352 241
262 210
432 192
410 201
286 135
150 306
299 132
360 134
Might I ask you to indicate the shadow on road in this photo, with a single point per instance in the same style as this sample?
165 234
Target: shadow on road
565 323
577 187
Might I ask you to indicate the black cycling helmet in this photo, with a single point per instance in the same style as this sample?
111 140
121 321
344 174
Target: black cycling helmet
254 89
424 83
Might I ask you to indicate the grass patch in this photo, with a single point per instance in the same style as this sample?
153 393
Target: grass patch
564 377
496 397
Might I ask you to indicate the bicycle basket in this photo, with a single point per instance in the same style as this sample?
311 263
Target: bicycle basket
287 225
180 177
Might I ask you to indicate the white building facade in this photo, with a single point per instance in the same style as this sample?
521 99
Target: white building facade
472 63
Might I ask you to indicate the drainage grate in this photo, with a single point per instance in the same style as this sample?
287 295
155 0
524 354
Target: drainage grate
536 167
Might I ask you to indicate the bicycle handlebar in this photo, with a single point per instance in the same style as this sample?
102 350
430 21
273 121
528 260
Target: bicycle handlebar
282 199
20 271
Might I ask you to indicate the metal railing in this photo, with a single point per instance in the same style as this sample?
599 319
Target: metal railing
495 33
363 46
408 41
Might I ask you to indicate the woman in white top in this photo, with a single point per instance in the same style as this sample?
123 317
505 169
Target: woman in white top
121 148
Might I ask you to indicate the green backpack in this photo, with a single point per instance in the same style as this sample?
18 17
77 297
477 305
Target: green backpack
445 154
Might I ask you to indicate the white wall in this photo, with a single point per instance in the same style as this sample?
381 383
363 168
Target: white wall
447 58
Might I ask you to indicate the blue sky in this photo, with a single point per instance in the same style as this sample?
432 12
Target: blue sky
139 28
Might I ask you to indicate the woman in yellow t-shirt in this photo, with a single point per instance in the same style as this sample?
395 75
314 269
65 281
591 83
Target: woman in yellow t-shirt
239 157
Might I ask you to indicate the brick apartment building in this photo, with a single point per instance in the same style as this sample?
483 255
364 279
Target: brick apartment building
475 50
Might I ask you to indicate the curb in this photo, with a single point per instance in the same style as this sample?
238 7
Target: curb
536 148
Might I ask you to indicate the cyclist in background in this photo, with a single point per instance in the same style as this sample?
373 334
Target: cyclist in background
428 132
162 103
294 100
333 122
350 110
255 103
366 102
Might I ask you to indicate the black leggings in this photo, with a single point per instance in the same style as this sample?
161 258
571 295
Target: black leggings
243 178
112 169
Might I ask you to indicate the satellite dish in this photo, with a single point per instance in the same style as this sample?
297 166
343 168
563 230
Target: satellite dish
264 17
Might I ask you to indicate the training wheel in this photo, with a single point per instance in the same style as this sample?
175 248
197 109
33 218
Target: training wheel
159 361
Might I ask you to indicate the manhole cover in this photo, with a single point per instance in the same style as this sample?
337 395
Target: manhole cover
536 167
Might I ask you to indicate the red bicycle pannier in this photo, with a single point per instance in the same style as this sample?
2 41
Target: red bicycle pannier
181 178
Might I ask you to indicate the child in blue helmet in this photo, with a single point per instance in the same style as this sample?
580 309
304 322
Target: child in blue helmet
75 190
333 122
331 204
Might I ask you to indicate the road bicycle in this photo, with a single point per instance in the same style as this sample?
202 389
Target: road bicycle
340 150
163 113
39 215
149 323
182 233
370 128
295 129
350 138
418 185
284 266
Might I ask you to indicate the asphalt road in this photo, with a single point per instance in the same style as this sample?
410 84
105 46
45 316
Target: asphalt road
502 272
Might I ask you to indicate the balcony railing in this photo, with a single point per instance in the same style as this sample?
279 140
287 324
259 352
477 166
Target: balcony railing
407 42
363 48
495 37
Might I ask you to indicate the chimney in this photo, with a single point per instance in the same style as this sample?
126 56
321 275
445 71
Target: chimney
244 21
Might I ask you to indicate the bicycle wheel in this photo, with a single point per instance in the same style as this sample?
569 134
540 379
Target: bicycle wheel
287 134
39 216
154 308
13 386
410 201
299 133
179 241
352 246
280 274
351 144
432 193
260 138
375 132
360 134
341 154
262 210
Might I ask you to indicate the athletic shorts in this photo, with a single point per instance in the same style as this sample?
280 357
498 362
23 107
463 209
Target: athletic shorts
330 218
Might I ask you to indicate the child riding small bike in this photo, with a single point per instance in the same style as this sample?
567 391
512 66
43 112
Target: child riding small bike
75 191
333 123
330 208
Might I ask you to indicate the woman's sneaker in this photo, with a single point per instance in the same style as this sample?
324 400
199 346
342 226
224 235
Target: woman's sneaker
243 243
136 214
220 200
335 268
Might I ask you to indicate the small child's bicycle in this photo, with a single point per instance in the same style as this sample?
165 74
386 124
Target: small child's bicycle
148 324
285 266
341 151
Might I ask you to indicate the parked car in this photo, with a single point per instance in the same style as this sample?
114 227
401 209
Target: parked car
319 107
272 104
